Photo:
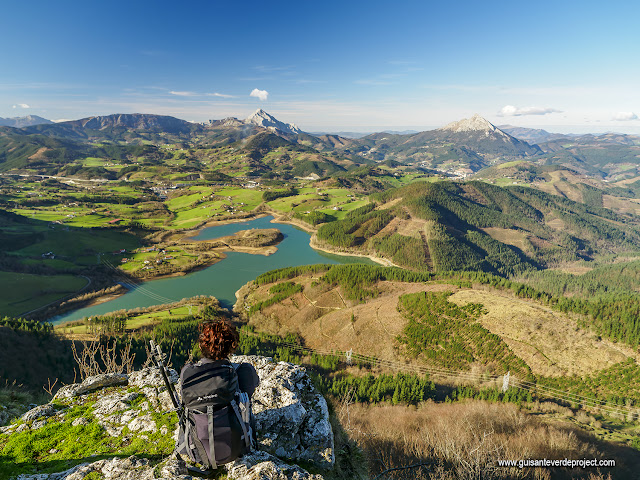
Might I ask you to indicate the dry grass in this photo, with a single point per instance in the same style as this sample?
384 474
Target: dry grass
549 342
411 227
574 268
621 205
556 224
390 204
464 441
511 237
626 181
324 318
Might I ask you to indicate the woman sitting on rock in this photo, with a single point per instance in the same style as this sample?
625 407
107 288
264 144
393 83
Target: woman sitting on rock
218 341
216 396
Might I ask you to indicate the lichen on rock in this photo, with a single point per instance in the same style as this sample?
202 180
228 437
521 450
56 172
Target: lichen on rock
263 466
292 423
90 384
292 418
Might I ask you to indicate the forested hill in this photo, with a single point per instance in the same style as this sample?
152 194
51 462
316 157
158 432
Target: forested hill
130 128
477 226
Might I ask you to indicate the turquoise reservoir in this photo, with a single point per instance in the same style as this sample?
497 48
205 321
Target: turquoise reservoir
222 279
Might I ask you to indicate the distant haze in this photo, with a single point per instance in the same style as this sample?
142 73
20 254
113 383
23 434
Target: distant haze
565 129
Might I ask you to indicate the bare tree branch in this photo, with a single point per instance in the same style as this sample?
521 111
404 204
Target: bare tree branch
422 464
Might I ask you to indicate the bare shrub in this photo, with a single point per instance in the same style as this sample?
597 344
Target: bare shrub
462 440
583 417
50 386
149 355
551 407
96 358
87 359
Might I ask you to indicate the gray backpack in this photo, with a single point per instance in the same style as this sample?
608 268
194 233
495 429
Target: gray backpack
216 424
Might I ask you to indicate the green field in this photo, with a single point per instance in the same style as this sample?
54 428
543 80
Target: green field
325 200
174 256
510 164
74 243
503 182
94 162
138 321
23 292
199 204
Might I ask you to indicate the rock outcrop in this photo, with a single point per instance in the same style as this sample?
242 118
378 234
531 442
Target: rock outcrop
473 124
90 384
292 419
263 119
292 423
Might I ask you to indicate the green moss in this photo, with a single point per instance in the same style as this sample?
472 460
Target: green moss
94 476
59 445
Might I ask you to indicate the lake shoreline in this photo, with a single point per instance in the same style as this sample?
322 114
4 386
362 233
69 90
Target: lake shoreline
216 223
107 297
313 243
222 282
382 261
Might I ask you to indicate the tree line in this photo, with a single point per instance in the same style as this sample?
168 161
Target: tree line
24 325
450 335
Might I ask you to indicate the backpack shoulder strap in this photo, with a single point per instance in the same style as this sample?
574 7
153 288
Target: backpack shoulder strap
244 412
212 448
245 433
191 434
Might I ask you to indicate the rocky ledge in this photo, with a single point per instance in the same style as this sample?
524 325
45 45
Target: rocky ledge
119 415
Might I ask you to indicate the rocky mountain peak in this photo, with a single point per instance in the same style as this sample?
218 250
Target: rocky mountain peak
263 119
26 121
473 124
226 122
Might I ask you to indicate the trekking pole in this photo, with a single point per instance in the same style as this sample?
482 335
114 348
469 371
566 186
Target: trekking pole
158 358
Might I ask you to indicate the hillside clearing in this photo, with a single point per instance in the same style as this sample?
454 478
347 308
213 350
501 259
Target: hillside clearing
549 342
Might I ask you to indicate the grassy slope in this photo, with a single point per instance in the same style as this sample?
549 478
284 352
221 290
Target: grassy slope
22 292
550 343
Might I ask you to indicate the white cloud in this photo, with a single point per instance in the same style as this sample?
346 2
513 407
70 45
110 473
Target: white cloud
625 116
183 94
21 105
261 94
512 111
221 95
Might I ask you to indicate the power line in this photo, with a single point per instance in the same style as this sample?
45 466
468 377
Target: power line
522 384
396 364
570 398
135 286
550 392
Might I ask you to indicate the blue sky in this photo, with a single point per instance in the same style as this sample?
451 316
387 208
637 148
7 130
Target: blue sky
564 66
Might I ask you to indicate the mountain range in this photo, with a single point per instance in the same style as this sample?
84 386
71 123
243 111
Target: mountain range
459 148
471 143
20 122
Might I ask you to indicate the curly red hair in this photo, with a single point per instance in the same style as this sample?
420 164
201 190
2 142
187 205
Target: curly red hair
218 339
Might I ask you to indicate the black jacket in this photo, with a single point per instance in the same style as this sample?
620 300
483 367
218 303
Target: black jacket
248 379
